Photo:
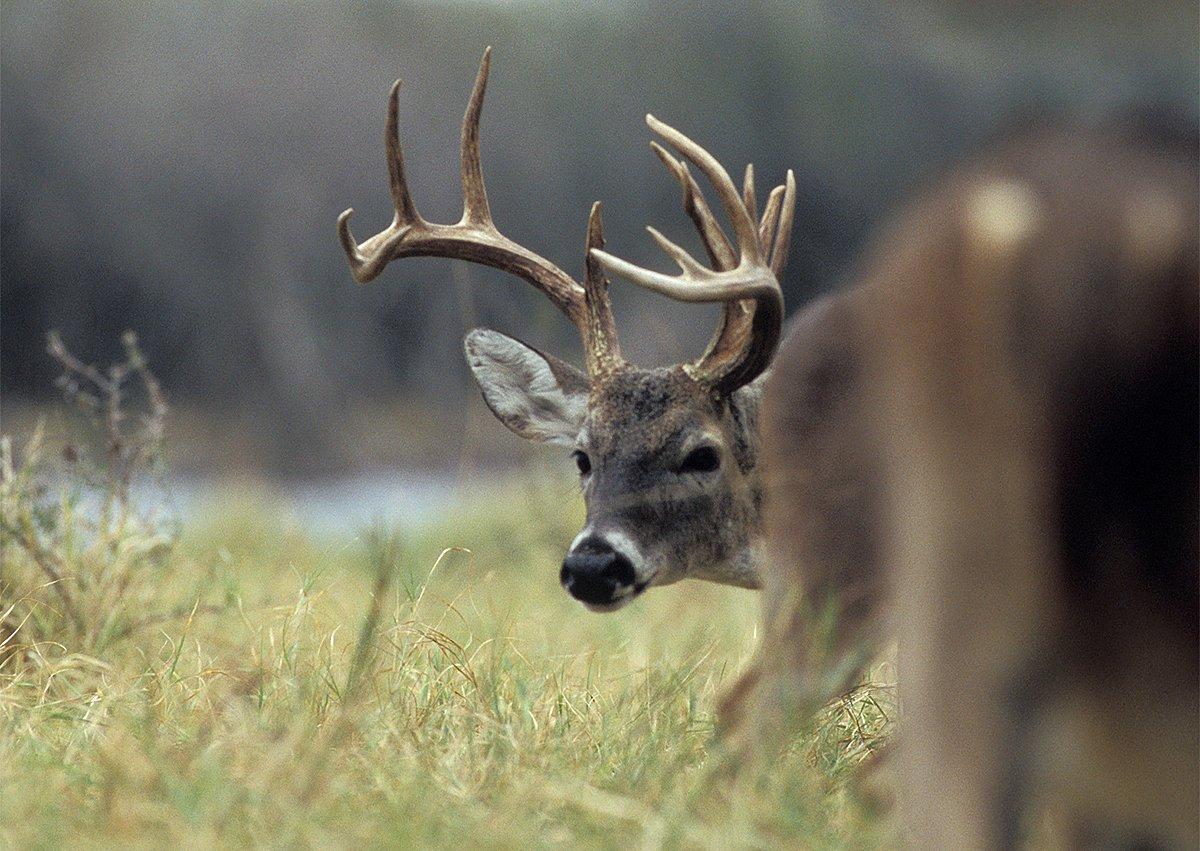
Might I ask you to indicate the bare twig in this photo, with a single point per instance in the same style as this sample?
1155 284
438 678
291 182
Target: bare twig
101 395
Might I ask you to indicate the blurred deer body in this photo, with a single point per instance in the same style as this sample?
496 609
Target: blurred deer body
1038 373
667 457
1004 414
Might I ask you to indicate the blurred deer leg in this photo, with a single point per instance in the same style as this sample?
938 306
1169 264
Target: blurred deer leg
966 527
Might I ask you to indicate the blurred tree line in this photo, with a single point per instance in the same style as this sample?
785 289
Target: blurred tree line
177 168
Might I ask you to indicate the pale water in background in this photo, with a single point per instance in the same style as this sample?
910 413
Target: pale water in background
334 505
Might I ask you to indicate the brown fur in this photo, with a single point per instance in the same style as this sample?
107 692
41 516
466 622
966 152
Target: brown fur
1004 414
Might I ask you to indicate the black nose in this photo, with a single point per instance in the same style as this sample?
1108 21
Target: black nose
593 572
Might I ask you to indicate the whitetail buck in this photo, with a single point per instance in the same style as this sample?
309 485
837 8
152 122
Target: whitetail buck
668 457
1004 414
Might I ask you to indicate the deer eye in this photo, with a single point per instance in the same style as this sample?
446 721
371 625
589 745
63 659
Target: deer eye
582 461
702 459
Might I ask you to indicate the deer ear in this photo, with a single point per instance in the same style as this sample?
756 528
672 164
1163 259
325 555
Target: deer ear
537 396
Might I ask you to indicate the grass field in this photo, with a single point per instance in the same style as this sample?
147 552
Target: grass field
239 682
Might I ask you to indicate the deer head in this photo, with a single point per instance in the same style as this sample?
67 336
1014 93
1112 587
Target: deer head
667 457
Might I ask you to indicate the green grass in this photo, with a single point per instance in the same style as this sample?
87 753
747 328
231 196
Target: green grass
239 682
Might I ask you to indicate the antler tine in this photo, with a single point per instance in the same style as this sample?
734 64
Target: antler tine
475 202
783 235
406 210
748 193
770 218
601 349
368 260
720 252
743 226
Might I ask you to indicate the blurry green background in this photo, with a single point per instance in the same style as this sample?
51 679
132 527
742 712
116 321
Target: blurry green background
177 169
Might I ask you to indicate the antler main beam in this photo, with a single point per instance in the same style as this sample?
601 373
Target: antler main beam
474 237
747 338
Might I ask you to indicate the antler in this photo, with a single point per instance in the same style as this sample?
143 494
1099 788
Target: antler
748 285
475 238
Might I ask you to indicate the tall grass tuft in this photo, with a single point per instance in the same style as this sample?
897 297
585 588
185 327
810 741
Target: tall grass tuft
83 567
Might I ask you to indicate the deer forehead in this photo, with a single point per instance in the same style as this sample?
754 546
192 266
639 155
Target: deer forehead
649 410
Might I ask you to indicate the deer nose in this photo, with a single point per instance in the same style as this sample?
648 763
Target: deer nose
594 573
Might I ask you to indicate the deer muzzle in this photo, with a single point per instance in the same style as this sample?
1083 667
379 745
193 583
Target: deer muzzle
599 575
